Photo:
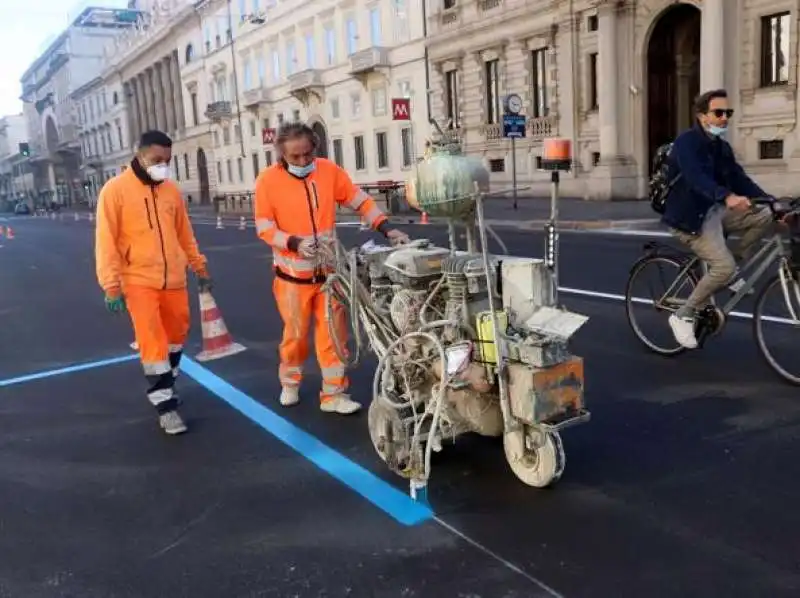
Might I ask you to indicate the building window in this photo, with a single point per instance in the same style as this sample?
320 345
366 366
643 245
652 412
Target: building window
379 101
291 58
448 4
352 32
296 115
330 46
358 146
276 67
375 27
355 104
253 131
177 166
492 72
381 146
240 168
256 165
338 152
226 136
310 51
229 166
186 165
594 100
408 150
400 20
248 76
335 109
261 66
770 150
219 172
451 97
539 82
775 49
268 157
497 165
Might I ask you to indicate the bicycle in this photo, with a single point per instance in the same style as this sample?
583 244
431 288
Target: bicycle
711 319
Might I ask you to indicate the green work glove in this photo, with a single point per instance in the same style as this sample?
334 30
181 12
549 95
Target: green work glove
115 302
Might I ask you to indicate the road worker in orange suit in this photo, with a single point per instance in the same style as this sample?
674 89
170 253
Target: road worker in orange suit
295 213
144 243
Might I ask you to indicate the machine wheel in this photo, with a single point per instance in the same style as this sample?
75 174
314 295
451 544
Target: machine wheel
389 435
535 466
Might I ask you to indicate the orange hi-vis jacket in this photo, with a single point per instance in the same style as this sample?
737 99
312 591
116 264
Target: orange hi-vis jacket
289 210
144 236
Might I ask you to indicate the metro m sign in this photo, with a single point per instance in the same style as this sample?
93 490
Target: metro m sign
267 136
401 109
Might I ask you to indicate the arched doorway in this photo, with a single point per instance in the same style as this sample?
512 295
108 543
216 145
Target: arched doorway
673 74
202 174
322 135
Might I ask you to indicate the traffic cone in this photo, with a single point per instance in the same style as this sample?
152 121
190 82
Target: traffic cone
217 341
9 233
77 217
242 224
219 223
424 219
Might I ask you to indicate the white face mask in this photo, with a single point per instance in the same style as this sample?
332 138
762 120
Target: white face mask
158 172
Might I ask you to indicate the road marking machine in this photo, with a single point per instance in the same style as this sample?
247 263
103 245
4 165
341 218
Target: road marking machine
466 341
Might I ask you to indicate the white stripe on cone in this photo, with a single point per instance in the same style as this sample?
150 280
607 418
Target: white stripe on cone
215 329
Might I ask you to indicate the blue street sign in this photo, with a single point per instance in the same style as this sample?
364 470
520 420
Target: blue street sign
513 126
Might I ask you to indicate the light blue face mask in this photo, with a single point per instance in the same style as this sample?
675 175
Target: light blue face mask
717 131
301 171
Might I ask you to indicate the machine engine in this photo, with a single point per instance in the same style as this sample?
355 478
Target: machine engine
437 301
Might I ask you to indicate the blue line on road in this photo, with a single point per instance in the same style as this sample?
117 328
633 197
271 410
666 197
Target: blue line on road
67 370
383 495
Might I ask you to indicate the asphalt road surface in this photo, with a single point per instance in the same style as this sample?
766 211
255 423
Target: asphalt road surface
683 484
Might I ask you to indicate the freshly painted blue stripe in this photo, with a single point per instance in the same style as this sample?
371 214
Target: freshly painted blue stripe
67 370
383 495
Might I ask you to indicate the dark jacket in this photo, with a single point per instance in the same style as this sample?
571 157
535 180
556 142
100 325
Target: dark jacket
709 172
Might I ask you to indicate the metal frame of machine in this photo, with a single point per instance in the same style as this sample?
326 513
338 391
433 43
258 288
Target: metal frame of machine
495 360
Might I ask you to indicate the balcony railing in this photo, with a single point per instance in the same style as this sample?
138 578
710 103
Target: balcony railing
305 80
368 60
217 111
255 97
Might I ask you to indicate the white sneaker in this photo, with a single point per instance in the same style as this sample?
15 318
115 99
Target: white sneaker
341 404
683 329
290 395
171 423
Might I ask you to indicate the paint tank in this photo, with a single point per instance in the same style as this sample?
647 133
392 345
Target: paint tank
444 185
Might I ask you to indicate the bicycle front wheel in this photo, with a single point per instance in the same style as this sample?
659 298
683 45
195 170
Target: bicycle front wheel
647 305
776 325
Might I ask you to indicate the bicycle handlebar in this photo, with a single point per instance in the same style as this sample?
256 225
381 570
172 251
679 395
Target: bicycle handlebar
779 206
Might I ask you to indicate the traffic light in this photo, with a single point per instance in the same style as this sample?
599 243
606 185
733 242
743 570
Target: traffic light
25 149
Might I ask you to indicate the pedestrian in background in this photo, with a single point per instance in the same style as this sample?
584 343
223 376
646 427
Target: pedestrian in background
144 243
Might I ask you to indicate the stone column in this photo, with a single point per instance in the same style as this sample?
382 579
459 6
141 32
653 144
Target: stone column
139 113
608 82
169 94
161 98
712 45
144 102
177 92
130 108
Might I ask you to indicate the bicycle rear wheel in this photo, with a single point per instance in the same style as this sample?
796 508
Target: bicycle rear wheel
652 311
776 325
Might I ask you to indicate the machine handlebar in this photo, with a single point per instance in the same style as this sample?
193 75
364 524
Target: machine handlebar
779 206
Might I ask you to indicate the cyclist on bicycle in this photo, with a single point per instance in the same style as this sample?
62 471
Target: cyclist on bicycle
710 198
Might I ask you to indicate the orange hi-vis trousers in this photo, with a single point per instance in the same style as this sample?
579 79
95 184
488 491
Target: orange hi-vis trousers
161 325
297 304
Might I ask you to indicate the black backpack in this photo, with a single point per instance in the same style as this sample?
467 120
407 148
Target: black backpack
660 183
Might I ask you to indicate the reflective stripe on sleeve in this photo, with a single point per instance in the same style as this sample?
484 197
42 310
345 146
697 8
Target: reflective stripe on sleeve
357 200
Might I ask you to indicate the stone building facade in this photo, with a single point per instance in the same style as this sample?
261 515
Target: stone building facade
617 78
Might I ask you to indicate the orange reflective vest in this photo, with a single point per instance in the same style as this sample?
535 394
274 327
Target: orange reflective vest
143 235
289 210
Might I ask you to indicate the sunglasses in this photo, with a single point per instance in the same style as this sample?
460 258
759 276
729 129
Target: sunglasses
720 113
